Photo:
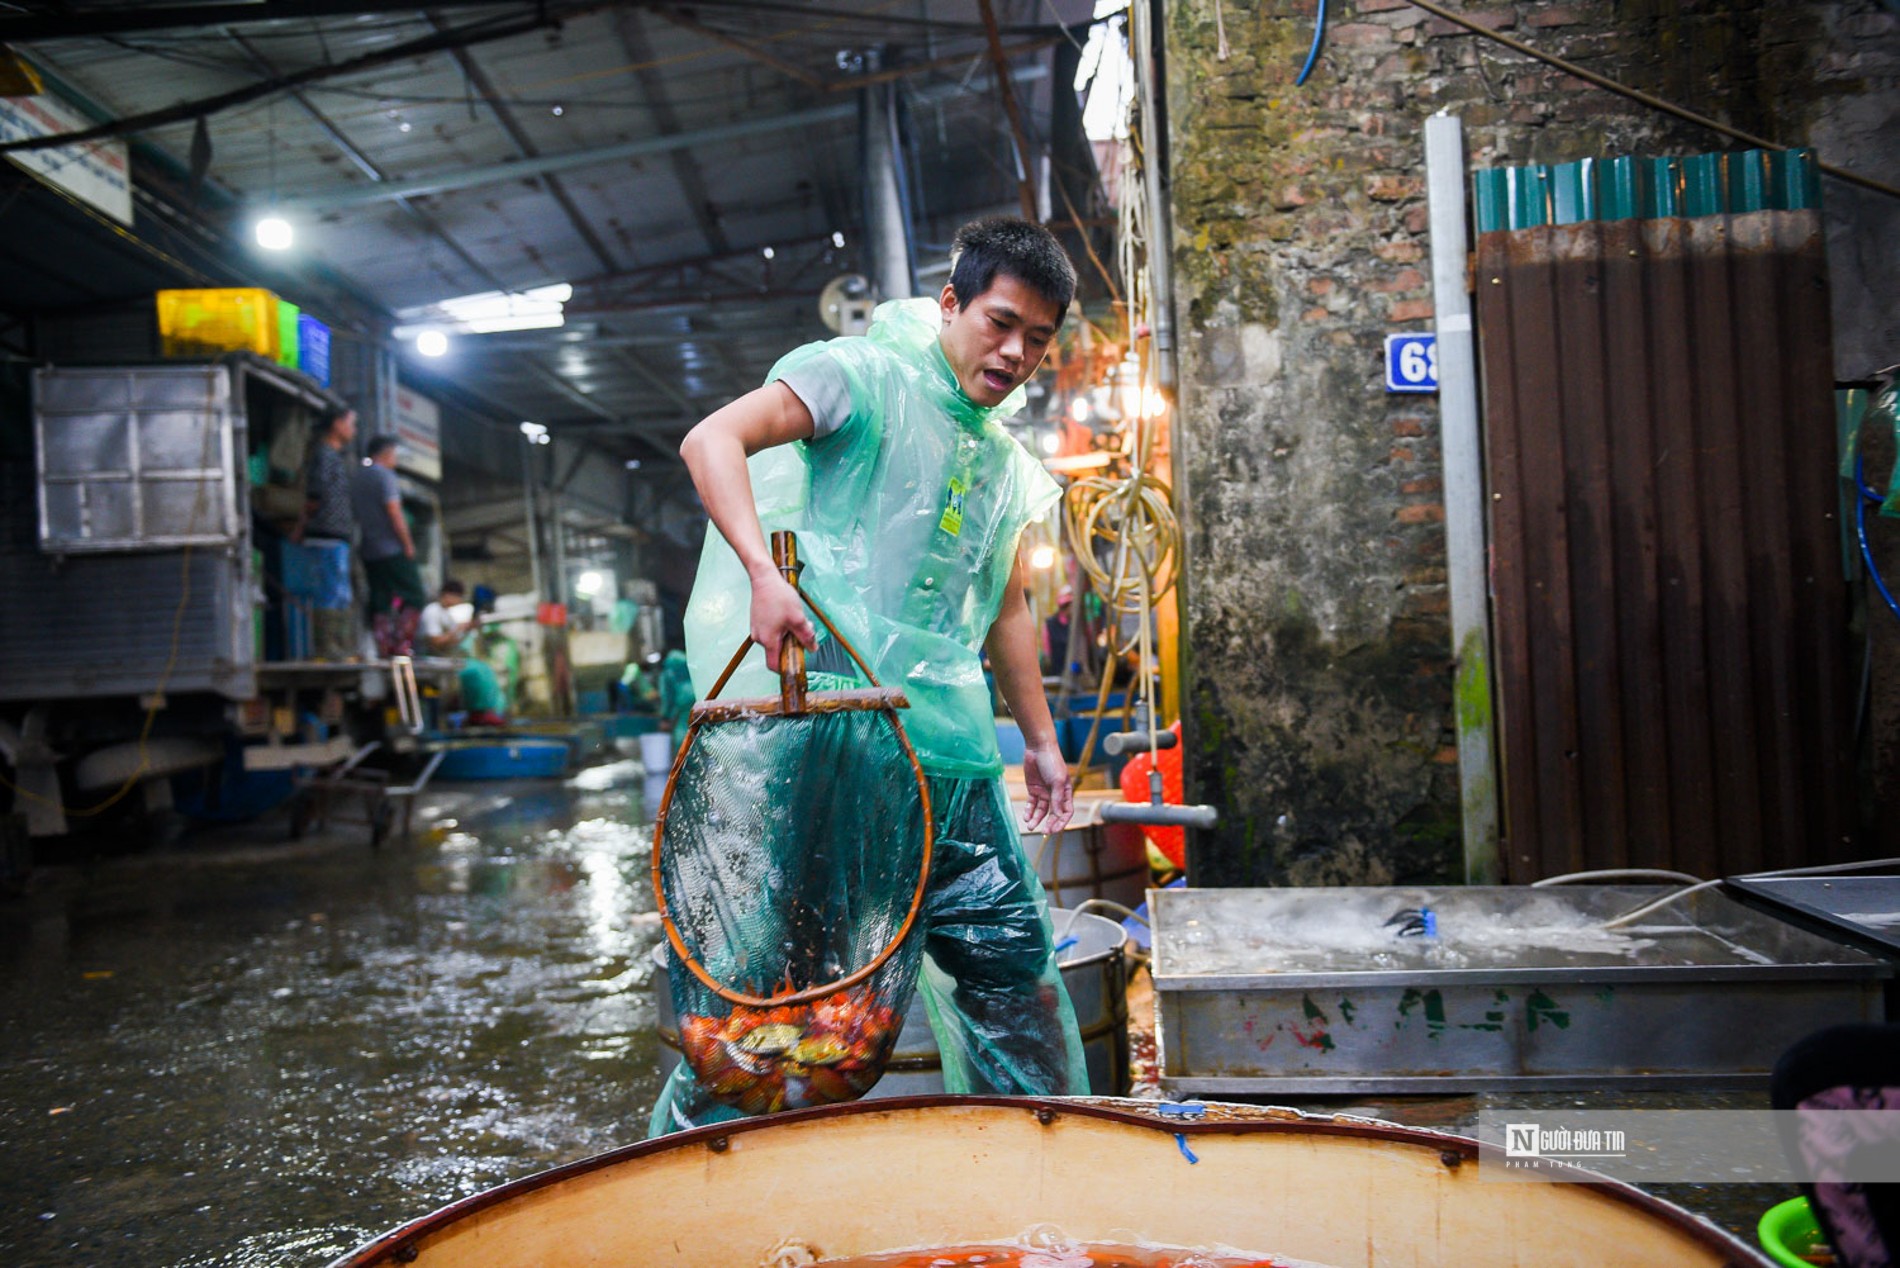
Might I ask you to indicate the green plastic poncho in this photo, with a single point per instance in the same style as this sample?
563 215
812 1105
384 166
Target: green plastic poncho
907 518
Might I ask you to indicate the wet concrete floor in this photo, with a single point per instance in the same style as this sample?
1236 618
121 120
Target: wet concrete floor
244 1051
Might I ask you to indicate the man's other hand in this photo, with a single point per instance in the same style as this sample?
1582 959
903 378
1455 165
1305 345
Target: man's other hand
776 612
1051 792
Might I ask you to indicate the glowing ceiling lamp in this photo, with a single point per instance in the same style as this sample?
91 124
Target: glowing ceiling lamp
274 233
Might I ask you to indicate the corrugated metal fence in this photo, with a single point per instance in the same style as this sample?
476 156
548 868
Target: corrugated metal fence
1673 673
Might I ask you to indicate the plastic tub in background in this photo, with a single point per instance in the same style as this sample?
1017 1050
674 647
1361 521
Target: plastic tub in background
1789 1231
874 1176
505 759
656 752
1095 970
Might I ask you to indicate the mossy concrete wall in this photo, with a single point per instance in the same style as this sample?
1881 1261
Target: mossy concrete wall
1319 677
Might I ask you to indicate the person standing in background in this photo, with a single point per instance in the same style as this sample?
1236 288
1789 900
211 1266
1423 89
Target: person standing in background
329 524
386 548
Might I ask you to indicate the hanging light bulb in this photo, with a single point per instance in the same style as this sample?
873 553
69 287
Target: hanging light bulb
1042 558
432 343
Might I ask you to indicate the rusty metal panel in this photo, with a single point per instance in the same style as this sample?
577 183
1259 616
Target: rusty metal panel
1671 617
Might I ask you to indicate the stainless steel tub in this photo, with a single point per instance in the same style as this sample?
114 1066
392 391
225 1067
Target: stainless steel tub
1091 859
1306 990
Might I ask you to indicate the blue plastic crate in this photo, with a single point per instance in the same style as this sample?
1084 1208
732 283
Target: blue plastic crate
313 348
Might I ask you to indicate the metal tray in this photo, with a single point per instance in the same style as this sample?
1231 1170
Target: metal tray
1862 910
1290 990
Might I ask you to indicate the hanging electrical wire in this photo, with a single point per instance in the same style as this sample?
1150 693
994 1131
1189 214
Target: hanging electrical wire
1122 528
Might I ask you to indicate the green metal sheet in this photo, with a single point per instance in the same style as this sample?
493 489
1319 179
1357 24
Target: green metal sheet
1573 192
1748 182
1637 187
1617 188
1702 186
1526 194
1488 195
1794 179
1661 183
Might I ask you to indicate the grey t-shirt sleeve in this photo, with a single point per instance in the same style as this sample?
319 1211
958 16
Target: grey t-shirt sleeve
821 384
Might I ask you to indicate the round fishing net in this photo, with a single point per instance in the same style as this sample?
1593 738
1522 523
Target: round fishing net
790 858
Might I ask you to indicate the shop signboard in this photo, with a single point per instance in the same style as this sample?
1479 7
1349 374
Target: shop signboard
97 172
418 434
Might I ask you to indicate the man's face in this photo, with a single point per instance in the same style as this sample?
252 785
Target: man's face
997 340
387 458
344 428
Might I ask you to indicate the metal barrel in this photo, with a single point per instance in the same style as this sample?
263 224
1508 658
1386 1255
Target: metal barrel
1095 971
1098 860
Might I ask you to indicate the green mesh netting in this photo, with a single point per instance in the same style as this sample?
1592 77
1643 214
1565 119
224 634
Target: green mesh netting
789 857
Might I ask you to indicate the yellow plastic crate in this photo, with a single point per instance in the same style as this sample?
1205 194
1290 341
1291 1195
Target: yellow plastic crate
206 322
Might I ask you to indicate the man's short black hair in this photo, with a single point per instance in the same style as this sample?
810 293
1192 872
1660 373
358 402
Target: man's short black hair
452 586
1021 248
330 416
379 445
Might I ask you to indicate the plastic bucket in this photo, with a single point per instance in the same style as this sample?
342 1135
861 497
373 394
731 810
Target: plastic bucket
1788 1231
656 752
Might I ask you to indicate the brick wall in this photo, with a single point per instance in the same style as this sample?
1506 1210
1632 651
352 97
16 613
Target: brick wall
1318 674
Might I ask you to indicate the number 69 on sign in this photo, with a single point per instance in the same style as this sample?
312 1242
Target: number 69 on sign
1411 363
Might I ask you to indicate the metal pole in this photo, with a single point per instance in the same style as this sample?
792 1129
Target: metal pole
1160 222
534 526
1025 175
1464 496
557 537
894 275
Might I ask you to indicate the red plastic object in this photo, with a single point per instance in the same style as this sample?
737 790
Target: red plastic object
551 614
1170 841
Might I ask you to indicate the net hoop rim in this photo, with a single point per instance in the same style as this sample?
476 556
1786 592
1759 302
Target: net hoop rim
671 929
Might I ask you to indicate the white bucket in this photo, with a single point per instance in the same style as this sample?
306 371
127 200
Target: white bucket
656 752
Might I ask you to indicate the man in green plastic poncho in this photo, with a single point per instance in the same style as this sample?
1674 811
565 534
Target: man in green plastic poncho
886 454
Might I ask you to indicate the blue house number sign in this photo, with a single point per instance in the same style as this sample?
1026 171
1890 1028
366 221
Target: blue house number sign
1411 363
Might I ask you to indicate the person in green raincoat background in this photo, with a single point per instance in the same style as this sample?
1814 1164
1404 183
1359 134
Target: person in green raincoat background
676 695
886 454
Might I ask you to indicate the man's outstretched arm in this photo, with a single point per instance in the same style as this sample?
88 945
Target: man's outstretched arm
1012 648
715 452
